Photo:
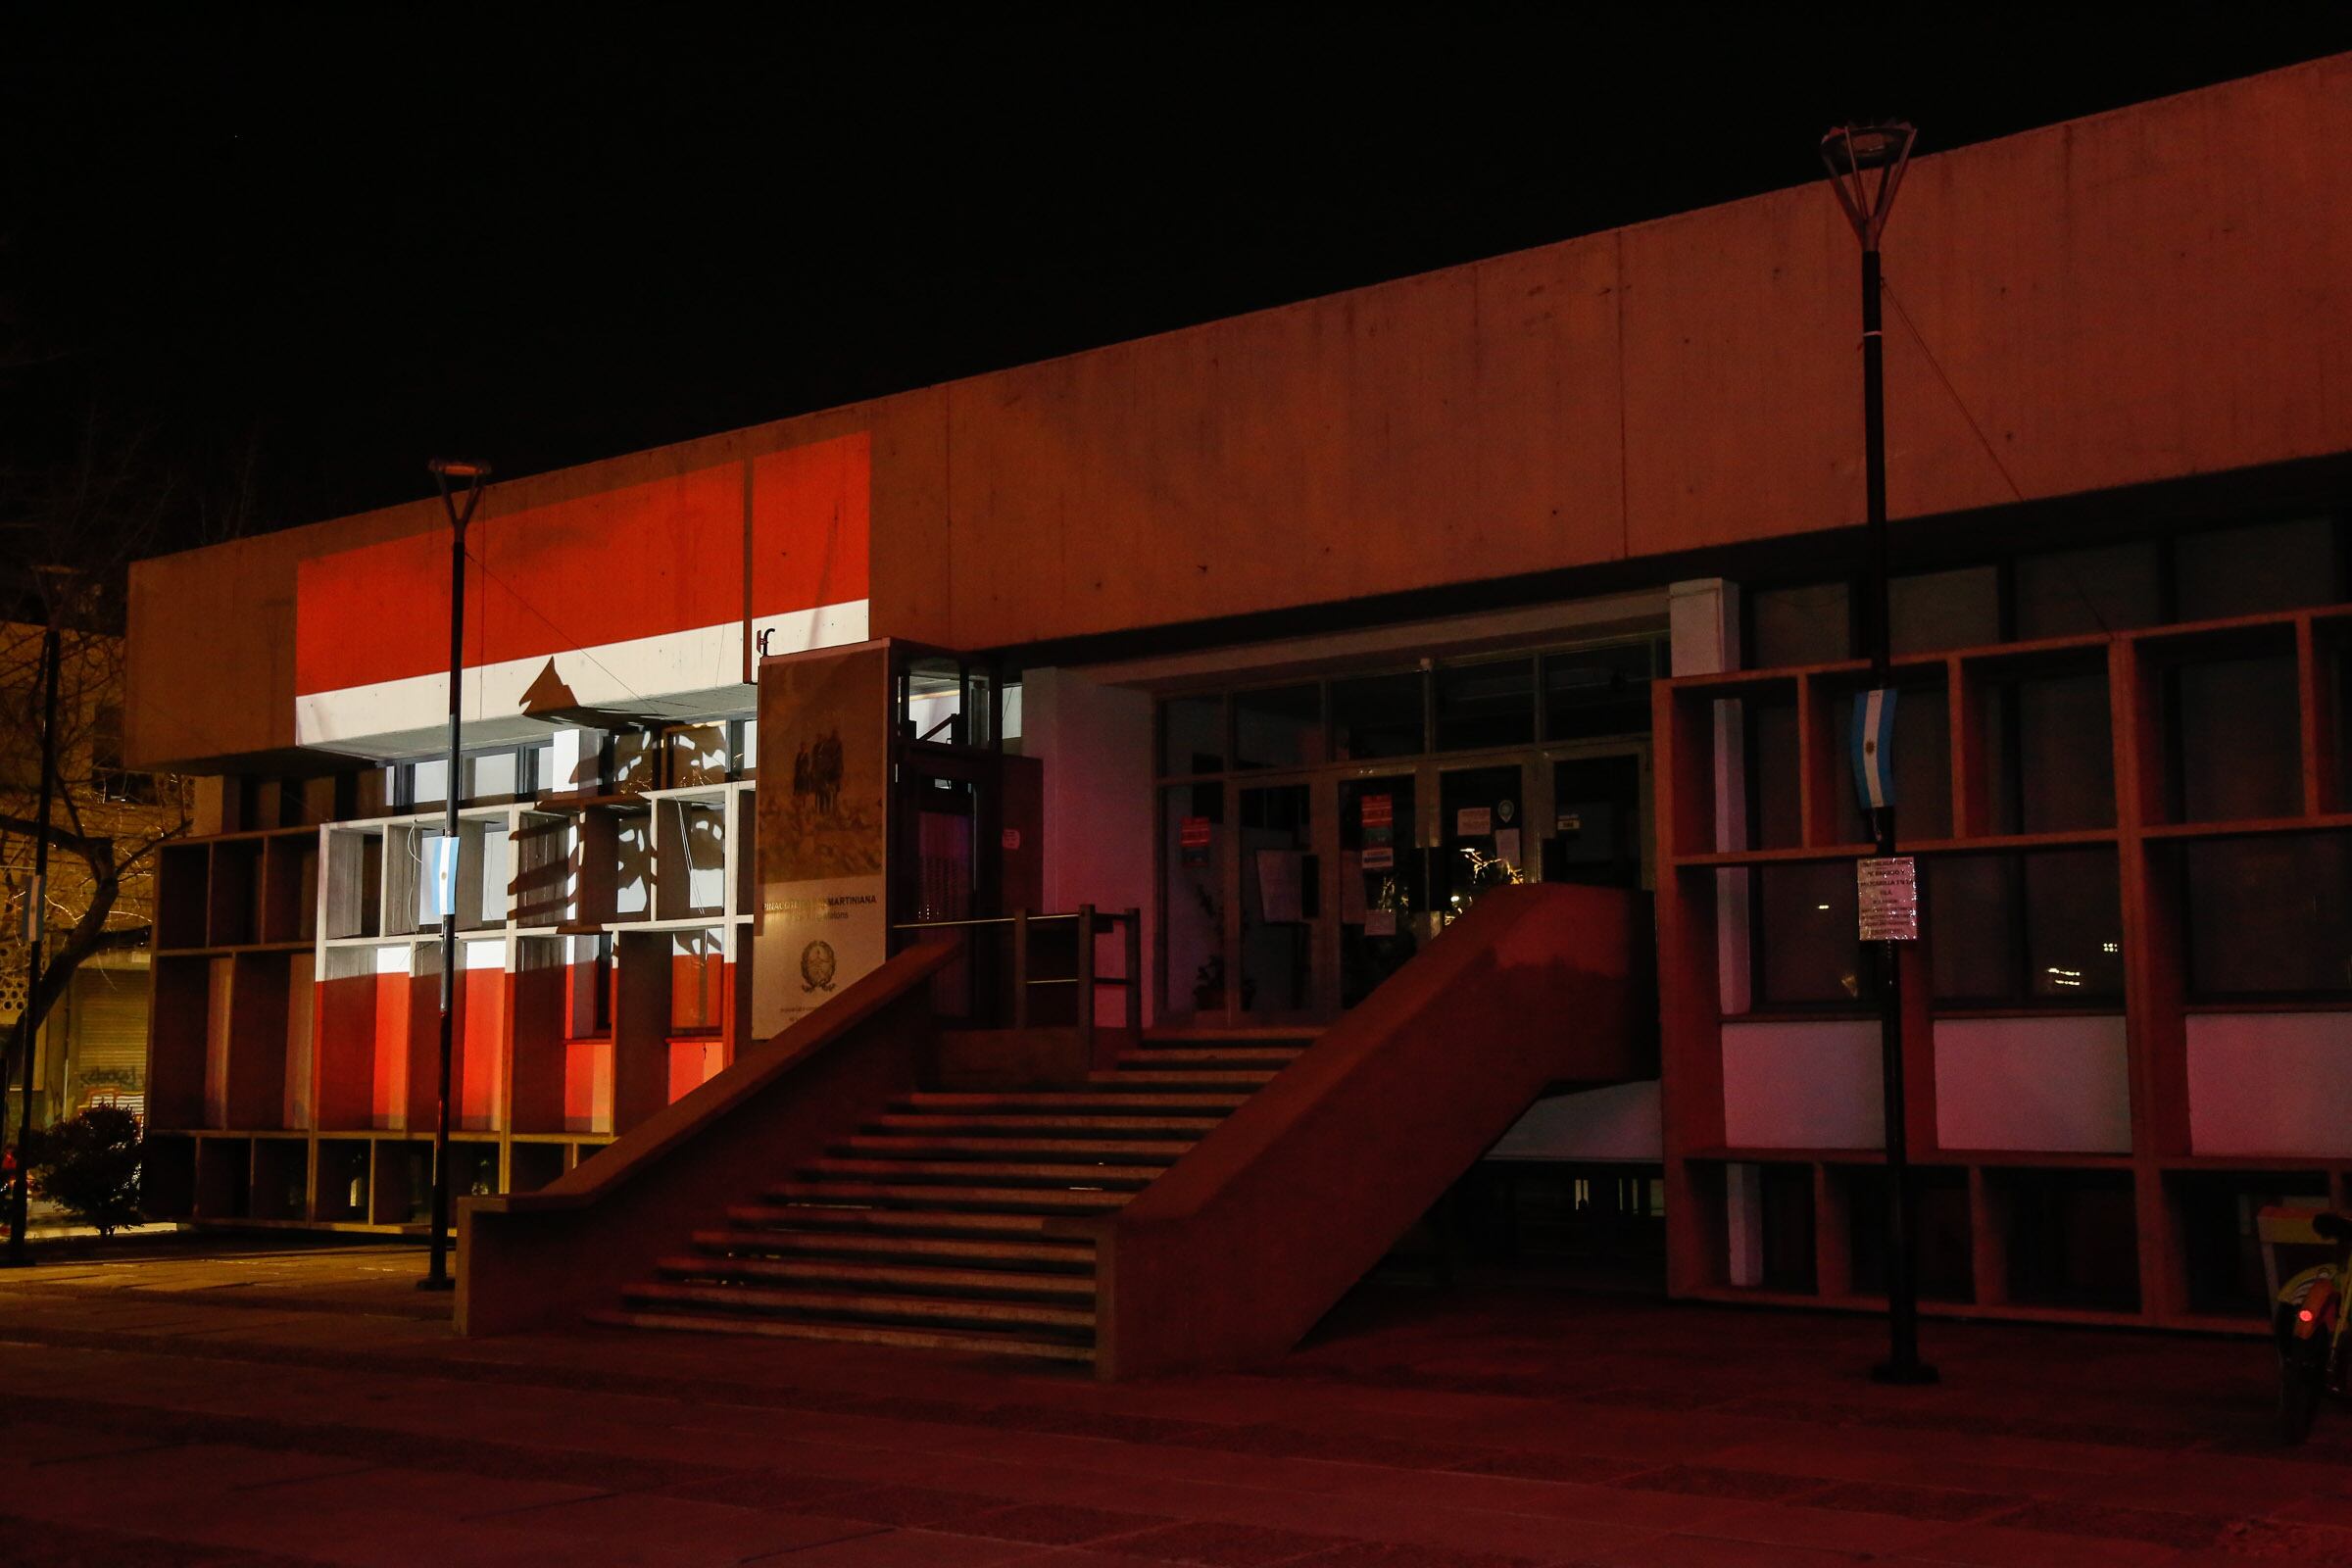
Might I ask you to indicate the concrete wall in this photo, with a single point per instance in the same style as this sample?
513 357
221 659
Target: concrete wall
2144 295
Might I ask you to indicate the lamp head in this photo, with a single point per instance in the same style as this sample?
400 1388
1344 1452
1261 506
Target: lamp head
1866 164
458 468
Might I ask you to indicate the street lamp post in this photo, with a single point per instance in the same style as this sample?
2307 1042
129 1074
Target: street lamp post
20 1198
1866 164
445 469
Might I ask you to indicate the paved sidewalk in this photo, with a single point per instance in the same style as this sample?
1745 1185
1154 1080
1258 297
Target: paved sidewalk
287 1406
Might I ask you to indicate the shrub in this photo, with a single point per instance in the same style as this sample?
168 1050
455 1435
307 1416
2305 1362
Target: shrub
90 1165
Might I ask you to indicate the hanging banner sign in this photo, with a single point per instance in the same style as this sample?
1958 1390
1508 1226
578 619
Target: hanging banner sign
1379 857
1379 811
1887 898
1193 834
1874 748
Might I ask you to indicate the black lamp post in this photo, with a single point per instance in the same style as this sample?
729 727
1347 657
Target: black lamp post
1866 164
444 469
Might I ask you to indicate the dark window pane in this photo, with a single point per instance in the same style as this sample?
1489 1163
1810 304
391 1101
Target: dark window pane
1971 921
2269 916
1191 735
1807 945
2249 571
2073 925
1941 609
1376 715
1774 823
1923 766
1486 705
2073 592
1806 625
1598 691
2065 757
2237 739
1278 728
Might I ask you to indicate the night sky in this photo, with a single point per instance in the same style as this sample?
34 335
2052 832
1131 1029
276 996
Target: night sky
284 260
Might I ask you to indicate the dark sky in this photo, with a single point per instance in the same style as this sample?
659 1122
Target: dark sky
313 253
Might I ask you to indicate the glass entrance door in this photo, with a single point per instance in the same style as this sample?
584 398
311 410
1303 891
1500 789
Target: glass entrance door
1482 836
1598 834
1281 904
1383 902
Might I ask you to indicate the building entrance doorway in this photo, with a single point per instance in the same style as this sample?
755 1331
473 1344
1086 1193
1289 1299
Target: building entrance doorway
1292 899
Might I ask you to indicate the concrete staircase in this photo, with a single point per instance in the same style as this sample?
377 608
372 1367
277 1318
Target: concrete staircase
935 1224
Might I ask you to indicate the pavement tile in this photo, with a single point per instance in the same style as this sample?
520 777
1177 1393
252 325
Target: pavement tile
1529 1464
907 1506
1052 1524
1227 1546
451 1494
35 1542
1983 1544
1911 1502
883 1547
768 1489
2163 1528
1710 1481
729 1533
1715 1551
2283 1541
1387 1555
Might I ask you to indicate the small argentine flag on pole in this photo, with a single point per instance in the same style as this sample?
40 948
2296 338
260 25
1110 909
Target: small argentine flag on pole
1874 748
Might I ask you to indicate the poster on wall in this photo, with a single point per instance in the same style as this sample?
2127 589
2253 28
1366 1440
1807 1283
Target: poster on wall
824 768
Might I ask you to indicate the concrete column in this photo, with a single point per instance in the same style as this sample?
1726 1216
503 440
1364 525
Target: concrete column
1095 744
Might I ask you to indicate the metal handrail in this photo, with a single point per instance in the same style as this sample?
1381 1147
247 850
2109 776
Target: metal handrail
1088 982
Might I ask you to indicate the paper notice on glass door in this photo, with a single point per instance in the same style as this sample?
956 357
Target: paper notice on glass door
1281 885
1473 821
1506 845
1379 922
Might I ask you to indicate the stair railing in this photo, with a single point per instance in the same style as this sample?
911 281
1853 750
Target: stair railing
1090 922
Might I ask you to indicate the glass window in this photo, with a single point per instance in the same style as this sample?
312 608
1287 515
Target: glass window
2070 593
1376 715
1486 705
2047 927
2250 571
2073 925
1774 821
1808 625
1806 949
2049 760
1940 610
1598 691
2269 916
1191 735
1970 922
1280 727
2237 739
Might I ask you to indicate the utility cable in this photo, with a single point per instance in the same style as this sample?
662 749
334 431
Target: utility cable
1982 440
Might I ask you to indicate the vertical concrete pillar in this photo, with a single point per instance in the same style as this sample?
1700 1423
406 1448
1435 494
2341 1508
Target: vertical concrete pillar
1095 744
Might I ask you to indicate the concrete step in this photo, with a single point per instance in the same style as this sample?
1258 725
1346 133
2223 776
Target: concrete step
977 1341
1276 1057
992 1172
865 1307
1301 1035
1075 1255
943 1195
1076 1101
950 1124
914 1220
1146 1150
915 1278
1207 1078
